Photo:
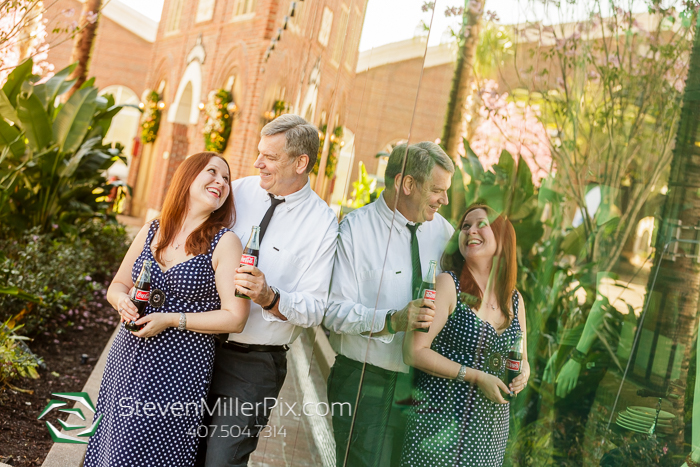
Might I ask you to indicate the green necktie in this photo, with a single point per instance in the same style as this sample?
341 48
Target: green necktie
417 277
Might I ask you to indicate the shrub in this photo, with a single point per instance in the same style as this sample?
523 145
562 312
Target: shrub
64 272
16 360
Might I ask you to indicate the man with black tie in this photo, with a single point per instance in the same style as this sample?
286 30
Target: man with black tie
387 243
288 288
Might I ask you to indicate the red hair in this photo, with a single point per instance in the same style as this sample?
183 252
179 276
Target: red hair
506 261
176 205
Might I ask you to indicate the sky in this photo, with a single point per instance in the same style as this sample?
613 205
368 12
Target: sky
390 21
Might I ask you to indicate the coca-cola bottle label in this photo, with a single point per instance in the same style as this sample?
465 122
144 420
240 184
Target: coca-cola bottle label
513 365
142 295
429 294
249 260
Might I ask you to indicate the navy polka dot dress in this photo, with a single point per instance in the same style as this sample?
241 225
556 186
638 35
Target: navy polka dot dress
151 394
453 423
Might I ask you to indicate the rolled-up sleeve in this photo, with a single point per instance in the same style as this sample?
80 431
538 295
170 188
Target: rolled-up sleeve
306 306
346 314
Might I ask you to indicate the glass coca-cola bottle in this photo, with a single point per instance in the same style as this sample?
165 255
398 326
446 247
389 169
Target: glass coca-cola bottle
514 361
251 252
427 288
140 295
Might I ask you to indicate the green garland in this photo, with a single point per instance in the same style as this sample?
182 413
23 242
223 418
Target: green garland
279 107
218 123
151 117
333 151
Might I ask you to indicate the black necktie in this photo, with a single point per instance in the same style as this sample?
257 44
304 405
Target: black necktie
417 277
274 202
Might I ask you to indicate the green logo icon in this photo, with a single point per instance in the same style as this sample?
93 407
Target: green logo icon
56 434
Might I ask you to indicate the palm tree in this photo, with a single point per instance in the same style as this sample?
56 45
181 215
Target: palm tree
461 89
83 41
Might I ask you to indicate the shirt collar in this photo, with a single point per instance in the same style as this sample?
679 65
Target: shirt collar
293 200
387 214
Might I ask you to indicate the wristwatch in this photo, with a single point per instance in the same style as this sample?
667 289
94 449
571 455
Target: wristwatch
388 325
578 356
274 300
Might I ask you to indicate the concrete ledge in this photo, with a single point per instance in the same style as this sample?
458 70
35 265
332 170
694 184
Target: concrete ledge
323 352
73 455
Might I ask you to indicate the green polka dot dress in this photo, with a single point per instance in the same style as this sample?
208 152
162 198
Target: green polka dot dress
453 423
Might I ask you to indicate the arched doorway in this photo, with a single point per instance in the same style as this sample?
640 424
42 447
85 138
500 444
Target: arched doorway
124 128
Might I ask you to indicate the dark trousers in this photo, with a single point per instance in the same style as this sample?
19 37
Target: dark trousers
378 430
245 385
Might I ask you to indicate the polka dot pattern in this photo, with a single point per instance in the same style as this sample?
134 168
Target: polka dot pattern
171 370
454 424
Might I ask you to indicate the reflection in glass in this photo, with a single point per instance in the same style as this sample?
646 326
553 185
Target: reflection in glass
460 413
570 137
383 248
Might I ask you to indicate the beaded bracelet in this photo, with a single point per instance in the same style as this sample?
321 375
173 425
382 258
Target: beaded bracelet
463 373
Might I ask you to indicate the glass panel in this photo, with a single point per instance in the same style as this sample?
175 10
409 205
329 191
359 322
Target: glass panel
570 119
314 418
379 115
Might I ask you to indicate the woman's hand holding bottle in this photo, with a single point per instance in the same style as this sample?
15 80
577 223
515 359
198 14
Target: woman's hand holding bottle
492 387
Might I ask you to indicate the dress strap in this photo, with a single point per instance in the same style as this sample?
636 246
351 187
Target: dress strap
516 304
216 239
155 223
454 278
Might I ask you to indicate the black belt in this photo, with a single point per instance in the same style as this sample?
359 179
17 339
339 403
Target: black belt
246 348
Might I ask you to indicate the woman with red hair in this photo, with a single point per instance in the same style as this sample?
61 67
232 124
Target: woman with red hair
460 417
156 379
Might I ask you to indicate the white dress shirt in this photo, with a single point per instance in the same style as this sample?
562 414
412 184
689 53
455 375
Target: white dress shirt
296 256
356 305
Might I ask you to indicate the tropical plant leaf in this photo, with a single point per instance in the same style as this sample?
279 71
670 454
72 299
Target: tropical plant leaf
89 83
13 85
506 163
104 119
73 120
7 110
57 84
574 241
10 136
474 167
19 293
69 169
39 90
35 121
102 103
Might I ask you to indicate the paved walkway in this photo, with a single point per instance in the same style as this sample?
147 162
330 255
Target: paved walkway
295 439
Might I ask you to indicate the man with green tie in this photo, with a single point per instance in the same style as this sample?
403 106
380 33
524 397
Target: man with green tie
387 243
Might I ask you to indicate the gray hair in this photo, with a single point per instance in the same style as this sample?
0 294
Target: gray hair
301 137
422 158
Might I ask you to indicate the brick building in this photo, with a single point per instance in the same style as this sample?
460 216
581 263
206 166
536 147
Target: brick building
120 59
388 79
273 56
394 105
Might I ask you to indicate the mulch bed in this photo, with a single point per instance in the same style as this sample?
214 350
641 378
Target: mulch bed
24 440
